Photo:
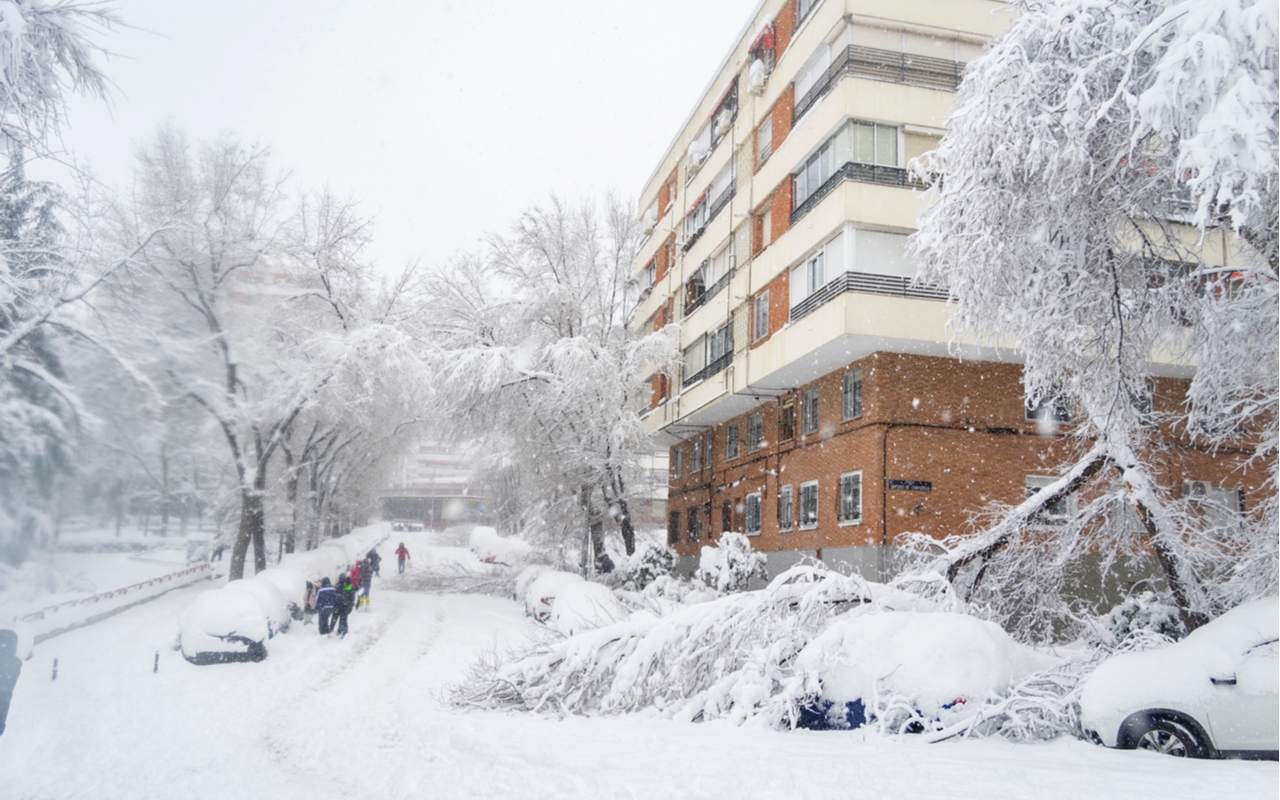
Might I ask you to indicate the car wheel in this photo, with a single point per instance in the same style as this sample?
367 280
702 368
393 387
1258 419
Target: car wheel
1168 736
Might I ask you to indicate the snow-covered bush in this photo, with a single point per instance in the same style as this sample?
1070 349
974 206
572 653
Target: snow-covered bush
650 562
1144 612
721 659
730 565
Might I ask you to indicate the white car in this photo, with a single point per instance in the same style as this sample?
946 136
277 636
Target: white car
1211 695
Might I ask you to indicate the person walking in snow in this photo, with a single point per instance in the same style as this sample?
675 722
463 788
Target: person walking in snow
402 555
355 574
346 602
10 666
326 605
366 583
375 561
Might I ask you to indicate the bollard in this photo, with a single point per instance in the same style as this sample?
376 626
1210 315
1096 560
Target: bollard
156 668
55 668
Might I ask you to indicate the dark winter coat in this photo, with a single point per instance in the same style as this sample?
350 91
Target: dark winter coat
327 599
346 597
366 574
374 559
10 666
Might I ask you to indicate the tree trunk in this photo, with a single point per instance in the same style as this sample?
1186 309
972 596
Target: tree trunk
594 550
164 491
292 489
620 510
259 520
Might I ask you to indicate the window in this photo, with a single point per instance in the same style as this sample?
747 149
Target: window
697 217
751 514
811 275
726 516
851 394
787 420
673 527
851 497
1056 512
695 463
803 7
755 432
785 511
858 142
695 359
719 346
809 505
1145 402
1047 409
648 277
760 319
731 442
694 525
764 140
677 456
710 203
812 71
721 122
1220 505
809 411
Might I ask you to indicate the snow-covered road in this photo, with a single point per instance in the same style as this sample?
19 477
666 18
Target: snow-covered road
362 717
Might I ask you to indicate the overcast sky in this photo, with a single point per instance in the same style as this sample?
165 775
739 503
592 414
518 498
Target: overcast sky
445 119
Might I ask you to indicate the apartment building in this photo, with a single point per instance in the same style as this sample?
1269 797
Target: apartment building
823 408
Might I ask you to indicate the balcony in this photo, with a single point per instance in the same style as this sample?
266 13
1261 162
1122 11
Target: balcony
694 302
867 283
864 173
883 65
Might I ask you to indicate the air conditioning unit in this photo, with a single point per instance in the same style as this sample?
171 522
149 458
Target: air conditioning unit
1196 489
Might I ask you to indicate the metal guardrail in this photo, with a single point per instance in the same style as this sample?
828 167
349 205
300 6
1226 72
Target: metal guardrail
863 173
868 283
97 598
891 66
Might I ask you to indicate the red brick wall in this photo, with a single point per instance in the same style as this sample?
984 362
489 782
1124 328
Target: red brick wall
664 258
784 27
959 426
780 209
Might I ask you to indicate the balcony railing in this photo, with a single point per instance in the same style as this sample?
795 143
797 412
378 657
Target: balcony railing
693 304
718 204
864 173
710 369
883 65
867 283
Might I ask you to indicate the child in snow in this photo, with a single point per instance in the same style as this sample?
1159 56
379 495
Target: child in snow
366 583
346 602
402 555
326 605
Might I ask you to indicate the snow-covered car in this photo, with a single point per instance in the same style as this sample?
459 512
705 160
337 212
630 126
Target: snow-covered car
222 626
908 669
271 601
580 606
1211 695
491 548
542 593
291 584
817 583
526 578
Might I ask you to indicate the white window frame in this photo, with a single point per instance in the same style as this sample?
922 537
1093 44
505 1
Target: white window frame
755 432
805 524
1051 516
695 460
751 514
846 505
760 317
851 394
764 140
732 442
786 502
677 461
809 411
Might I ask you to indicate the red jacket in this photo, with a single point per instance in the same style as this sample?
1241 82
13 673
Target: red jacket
402 553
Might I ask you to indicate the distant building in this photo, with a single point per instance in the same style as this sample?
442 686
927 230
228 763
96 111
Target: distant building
822 408
432 486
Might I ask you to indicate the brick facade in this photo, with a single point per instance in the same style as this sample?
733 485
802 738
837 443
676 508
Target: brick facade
959 427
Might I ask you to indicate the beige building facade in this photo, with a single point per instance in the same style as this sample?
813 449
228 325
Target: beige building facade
823 408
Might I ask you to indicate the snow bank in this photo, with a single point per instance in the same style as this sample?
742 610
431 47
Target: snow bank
290 583
491 548
525 579
270 601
